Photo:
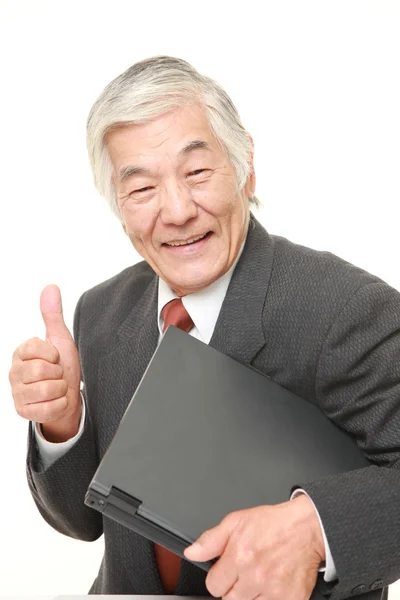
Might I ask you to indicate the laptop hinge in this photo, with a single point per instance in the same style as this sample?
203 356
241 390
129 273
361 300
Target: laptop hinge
121 500
116 498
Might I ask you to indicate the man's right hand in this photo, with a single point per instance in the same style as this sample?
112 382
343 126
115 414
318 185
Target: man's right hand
45 375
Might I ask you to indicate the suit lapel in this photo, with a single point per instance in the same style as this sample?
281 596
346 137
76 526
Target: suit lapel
142 319
239 330
121 370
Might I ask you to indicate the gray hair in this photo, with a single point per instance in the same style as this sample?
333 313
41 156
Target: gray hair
150 88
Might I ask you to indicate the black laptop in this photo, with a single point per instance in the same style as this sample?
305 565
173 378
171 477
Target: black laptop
205 435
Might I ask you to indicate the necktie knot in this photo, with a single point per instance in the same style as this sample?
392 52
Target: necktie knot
174 313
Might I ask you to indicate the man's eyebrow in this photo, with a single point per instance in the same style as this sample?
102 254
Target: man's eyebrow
194 145
125 172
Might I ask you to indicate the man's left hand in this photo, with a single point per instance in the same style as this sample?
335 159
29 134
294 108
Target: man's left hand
272 552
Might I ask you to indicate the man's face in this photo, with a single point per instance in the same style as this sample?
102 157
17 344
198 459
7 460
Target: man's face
177 194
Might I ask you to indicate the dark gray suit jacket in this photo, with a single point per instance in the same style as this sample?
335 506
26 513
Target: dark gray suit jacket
316 325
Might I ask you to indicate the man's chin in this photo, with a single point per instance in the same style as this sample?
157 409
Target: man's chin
184 287
190 277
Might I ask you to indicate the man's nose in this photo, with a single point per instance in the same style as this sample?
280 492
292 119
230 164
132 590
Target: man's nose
178 205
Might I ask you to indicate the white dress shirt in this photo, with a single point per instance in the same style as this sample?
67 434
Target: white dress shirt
203 307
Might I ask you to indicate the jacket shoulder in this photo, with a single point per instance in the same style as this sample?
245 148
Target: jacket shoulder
327 273
309 290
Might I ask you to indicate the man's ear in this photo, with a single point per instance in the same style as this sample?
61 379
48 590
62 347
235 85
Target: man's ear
251 180
251 184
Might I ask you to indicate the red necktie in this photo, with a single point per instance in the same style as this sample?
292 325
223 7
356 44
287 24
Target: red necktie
174 313
168 563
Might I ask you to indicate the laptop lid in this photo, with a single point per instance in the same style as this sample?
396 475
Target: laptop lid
205 435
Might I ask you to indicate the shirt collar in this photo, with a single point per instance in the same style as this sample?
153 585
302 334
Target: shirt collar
203 306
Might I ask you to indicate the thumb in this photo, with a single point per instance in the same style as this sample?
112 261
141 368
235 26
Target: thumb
51 309
210 544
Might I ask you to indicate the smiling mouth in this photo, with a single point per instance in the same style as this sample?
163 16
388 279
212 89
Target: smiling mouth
188 242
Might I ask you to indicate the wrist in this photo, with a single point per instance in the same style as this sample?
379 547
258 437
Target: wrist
63 429
309 513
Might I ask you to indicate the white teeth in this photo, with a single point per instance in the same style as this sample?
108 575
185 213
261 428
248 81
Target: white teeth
195 239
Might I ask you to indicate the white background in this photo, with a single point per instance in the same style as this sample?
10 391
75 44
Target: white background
317 85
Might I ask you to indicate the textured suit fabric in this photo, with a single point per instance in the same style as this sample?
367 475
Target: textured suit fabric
315 324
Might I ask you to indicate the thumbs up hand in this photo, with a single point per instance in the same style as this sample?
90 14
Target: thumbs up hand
45 375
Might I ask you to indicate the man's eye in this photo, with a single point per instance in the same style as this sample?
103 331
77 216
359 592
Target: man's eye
143 189
196 172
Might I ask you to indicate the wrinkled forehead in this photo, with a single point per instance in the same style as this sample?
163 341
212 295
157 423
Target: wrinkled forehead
173 135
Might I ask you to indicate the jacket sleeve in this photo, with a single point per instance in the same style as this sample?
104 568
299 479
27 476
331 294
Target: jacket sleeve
59 490
358 387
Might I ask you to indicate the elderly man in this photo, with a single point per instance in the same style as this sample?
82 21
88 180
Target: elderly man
169 153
